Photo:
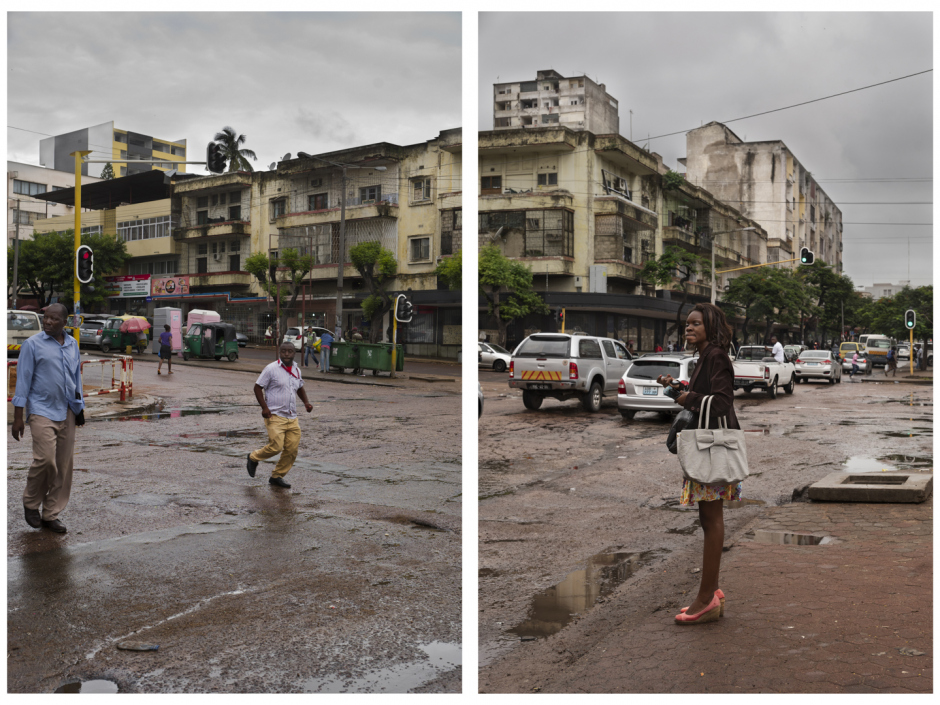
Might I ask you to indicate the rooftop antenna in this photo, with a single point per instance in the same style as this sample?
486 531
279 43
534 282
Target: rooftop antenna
285 157
272 166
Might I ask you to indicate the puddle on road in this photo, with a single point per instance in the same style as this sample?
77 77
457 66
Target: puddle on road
552 609
738 503
96 686
224 434
794 538
441 658
155 412
686 530
911 462
917 431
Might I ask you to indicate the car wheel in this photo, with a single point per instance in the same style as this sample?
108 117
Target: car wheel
532 401
747 390
592 399
772 389
232 356
499 366
105 346
789 388
627 414
832 380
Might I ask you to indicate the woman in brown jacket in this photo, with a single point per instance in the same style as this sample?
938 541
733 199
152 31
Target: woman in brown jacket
708 332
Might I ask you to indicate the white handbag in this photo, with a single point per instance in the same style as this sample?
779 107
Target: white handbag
713 456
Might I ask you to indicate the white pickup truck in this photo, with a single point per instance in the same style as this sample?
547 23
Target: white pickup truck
756 368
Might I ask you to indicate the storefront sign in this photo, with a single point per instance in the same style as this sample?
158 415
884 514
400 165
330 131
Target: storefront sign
169 286
128 286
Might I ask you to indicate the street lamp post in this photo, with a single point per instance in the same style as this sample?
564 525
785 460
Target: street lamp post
712 235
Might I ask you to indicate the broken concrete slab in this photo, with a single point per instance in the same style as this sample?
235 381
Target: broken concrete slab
873 487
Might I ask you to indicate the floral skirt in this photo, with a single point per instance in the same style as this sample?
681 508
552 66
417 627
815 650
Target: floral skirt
693 492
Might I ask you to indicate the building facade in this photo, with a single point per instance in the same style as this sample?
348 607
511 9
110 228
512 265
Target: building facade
883 290
25 185
577 103
121 146
767 183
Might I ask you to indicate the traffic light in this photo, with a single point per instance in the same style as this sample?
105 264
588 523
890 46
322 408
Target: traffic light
910 319
404 309
215 159
807 256
84 264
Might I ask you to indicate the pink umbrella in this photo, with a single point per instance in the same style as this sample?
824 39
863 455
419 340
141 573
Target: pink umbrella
134 325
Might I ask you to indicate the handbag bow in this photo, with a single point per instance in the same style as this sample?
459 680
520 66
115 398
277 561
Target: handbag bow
717 438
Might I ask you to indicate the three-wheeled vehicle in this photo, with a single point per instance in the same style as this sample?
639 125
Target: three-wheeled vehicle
113 337
210 340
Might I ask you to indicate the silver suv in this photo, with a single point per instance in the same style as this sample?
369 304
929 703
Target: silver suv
638 389
562 366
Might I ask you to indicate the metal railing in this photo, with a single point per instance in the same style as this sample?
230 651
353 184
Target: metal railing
118 380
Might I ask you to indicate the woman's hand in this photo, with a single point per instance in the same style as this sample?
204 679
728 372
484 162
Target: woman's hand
682 397
665 380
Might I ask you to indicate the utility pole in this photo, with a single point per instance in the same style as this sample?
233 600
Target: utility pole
16 255
341 263
77 290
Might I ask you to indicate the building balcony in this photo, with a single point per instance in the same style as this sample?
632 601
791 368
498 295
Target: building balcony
328 272
643 218
508 200
355 210
548 265
212 184
781 245
680 237
220 279
619 269
694 289
211 230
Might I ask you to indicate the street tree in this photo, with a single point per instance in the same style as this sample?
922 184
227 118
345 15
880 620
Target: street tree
235 155
378 268
450 271
886 315
108 172
747 291
47 266
293 267
676 267
507 287
833 292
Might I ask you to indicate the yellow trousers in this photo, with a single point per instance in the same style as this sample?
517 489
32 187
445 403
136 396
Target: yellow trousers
283 438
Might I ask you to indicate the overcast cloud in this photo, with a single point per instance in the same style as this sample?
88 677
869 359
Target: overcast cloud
290 82
677 71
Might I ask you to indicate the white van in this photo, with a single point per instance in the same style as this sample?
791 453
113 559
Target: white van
876 347
20 326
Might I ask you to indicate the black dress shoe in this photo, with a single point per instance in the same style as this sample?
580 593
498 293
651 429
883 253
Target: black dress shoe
33 517
252 466
54 525
279 482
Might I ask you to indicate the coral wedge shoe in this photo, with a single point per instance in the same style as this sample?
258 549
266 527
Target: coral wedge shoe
721 598
709 613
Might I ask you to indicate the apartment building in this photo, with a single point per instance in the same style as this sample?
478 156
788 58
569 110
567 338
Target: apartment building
121 146
25 185
766 182
577 103
585 212
883 290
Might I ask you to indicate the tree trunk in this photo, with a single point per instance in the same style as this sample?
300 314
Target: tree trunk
375 332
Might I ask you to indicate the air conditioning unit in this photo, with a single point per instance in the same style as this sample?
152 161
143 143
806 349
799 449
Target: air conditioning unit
216 256
316 182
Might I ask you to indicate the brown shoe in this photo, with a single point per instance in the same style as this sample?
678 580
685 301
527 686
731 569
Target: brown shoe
54 525
33 517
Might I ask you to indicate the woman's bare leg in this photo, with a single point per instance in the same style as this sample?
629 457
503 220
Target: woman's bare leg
711 517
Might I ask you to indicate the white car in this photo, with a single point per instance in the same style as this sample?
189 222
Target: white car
296 338
492 355
638 389
818 364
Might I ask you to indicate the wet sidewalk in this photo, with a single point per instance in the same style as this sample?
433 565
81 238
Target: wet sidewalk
903 376
850 615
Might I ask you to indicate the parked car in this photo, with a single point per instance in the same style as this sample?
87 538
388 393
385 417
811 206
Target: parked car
904 352
638 389
20 326
562 366
495 356
242 340
756 368
876 349
294 336
91 330
846 350
818 364
793 351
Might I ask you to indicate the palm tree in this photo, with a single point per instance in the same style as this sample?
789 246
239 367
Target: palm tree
235 157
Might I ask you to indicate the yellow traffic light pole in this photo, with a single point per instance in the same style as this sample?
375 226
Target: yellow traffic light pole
77 291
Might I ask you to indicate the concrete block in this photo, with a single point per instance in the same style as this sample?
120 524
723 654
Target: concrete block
873 487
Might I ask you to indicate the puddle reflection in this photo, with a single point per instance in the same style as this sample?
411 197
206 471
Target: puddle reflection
96 686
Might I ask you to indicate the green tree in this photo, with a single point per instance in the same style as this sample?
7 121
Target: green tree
377 267
833 291
676 267
236 157
290 283
886 315
507 287
47 266
108 172
747 291
450 271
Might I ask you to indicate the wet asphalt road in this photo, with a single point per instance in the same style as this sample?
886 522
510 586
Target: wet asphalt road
573 504
349 581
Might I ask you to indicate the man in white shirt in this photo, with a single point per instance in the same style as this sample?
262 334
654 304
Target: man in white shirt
778 349
275 389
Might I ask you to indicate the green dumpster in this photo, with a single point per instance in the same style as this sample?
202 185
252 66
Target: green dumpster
344 355
378 357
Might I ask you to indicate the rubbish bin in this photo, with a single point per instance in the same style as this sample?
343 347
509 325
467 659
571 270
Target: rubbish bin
344 355
378 357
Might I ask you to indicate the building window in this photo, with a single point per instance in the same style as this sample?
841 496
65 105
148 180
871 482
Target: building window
235 197
234 263
202 217
544 233
491 185
451 231
202 202
278 207
202 249
370 193
550 179
120 137
234 246
235 213
214 199
145 228
318 202
549 119
420 249
22 217
202 265
158 268
421 189
28 188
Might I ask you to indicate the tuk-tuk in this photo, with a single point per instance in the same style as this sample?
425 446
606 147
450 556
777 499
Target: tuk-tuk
112 337
210 340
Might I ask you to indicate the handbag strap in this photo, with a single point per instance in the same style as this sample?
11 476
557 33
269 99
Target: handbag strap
705 409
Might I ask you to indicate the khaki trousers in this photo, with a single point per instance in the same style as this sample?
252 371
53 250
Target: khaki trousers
283 438
49 481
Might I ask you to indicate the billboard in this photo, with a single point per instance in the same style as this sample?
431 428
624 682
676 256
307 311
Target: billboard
169 286
129 286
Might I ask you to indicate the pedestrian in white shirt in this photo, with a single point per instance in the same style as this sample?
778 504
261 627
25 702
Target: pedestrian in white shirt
778 349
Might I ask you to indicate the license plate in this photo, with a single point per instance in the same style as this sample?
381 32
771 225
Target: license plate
651 391
812 364
540 386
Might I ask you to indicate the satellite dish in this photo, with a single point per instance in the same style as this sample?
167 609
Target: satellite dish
303 155
272 166
285 157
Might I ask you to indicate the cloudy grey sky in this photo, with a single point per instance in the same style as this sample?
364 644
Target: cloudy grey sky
311 82
677 71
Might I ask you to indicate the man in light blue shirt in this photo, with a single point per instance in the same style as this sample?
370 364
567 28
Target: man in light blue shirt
326 342
49 386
